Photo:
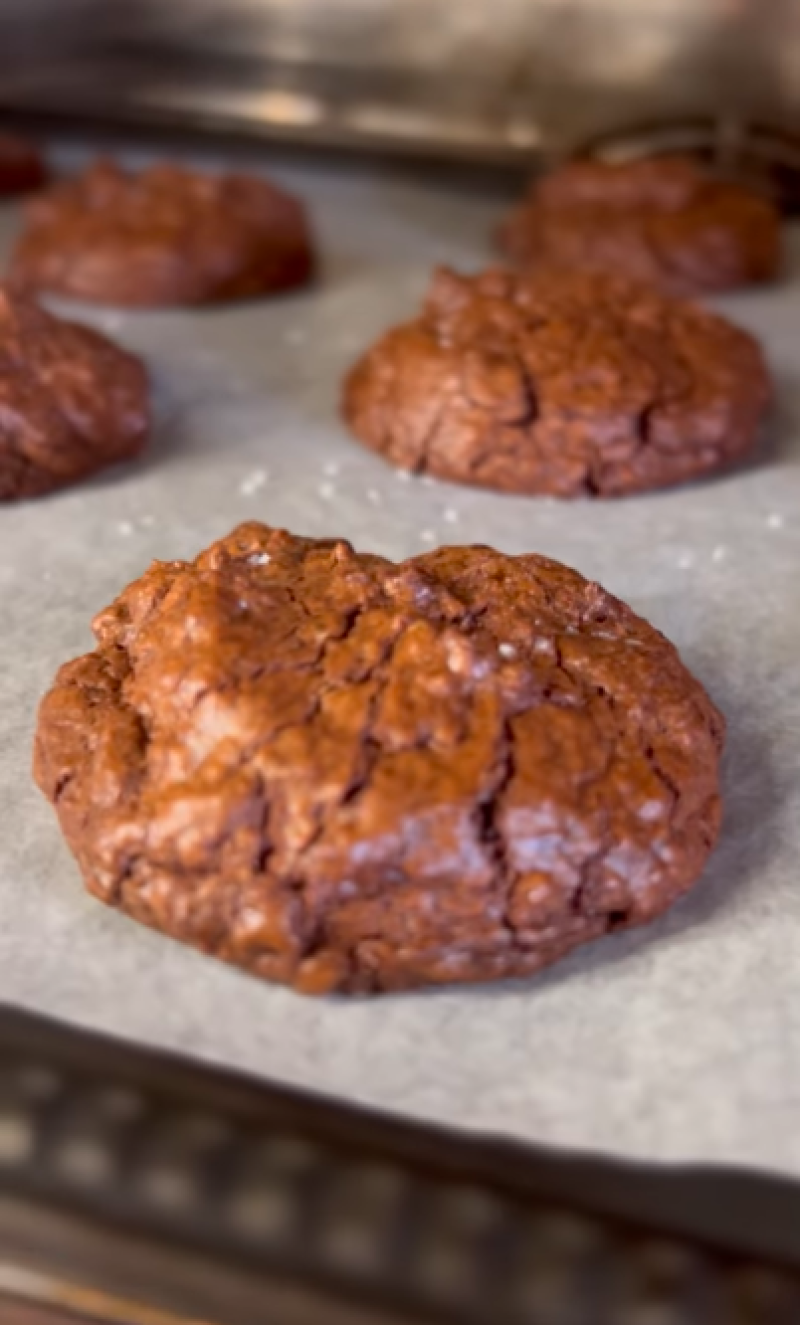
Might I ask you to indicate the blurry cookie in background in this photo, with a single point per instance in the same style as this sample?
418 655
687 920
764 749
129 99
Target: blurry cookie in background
662 219
71 401
559 383
22 166
163 236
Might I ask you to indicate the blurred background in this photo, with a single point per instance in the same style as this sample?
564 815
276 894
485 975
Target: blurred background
494 80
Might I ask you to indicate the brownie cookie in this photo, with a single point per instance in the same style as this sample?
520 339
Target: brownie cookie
165 236
21 166
664 219
71 401
345 774
554 383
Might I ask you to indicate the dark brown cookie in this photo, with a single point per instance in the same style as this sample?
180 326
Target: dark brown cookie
665 220
165 236
561 384
21 166
346 774
72 402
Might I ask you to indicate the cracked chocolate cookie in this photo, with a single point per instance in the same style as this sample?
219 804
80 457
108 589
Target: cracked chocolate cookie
571 385
21 166
343 773
663 219
165 236
72 402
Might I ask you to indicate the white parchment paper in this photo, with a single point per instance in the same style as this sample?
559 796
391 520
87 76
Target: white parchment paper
679 1042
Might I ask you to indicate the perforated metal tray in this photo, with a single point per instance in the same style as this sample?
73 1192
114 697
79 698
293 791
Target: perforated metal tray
132 1181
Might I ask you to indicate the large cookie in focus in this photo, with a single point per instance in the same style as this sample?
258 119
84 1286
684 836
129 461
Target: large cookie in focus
347 774
665 219
165 236
567 384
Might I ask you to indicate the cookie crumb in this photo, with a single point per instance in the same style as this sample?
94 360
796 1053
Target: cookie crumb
252 482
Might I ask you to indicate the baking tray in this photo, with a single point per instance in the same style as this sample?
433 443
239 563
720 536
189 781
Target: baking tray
680 1042
140 1189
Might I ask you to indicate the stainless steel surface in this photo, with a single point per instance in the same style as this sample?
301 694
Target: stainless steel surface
497 79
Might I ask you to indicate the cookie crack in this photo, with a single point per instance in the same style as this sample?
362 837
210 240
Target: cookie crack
486 816
650 755
424 440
